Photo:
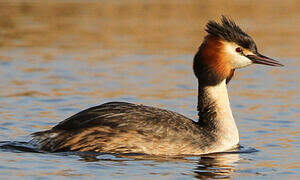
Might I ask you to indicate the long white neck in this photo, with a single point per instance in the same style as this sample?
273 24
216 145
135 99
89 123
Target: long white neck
215 115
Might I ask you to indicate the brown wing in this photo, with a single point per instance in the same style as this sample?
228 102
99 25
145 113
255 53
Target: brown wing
118 127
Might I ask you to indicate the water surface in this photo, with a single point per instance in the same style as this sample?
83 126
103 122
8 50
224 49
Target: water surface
57 58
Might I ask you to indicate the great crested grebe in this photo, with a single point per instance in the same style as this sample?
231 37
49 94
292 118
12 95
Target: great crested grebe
121 127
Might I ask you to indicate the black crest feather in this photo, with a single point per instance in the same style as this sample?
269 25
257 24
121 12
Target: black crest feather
230 32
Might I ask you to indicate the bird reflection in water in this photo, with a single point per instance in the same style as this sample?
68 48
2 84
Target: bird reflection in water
216 166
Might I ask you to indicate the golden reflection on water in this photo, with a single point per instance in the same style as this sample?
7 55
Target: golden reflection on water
150 26
58 57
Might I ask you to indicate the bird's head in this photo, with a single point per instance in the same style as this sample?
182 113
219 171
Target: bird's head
226 48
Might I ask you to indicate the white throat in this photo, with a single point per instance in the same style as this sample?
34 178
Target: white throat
226 131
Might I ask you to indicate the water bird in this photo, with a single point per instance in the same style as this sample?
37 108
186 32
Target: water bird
122 127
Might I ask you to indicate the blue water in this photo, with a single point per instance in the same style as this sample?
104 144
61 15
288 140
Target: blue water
57 59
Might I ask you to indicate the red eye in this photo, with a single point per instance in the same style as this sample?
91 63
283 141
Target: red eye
238 49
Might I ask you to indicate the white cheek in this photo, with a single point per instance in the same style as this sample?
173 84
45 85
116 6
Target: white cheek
239 61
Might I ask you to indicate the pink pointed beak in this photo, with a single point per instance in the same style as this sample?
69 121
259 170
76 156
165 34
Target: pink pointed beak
261 59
